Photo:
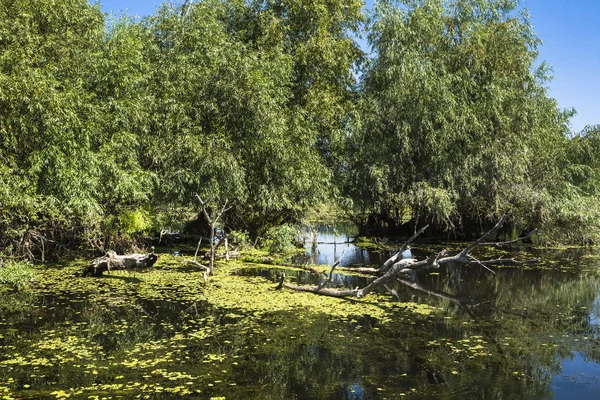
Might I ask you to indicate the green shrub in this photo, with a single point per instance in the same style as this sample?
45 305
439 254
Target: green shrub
16 275
135 221
240 238
281 239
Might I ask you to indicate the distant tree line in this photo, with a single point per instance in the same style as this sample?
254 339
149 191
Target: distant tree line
109 127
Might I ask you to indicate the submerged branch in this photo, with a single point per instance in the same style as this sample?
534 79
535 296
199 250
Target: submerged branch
438 293
401 269
483 265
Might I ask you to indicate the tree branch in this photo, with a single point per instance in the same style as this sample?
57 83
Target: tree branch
392 260
330 278
406 267
479 241
480 263
500 244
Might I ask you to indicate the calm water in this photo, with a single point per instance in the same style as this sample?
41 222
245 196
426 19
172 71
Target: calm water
574 376
333 241
530 333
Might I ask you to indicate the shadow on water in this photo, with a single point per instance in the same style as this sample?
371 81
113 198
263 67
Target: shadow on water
537 336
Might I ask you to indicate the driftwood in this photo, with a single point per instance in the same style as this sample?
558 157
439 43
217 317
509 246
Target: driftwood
112 261
402 270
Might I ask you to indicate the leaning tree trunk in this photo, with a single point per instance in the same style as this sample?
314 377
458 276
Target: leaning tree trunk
112 261
401 270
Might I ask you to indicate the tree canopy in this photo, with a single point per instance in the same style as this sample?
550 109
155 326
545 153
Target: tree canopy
457 124
108 125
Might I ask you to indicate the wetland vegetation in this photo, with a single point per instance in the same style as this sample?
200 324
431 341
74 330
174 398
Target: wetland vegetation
217 125
166 333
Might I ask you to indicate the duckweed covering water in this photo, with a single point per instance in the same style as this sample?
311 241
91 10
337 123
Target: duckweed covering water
165 333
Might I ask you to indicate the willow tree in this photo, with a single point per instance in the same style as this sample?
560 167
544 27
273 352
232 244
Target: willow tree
104 122
320 37
73 95
45 131
457 125
245 96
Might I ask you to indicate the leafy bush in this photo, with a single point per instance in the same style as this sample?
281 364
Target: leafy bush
282 238
241 238
15 275
132 221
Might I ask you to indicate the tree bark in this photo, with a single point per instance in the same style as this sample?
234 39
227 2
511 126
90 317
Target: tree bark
112 261
401 270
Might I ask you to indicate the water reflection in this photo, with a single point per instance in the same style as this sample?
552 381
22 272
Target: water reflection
536 336
334 240
579 378
566 301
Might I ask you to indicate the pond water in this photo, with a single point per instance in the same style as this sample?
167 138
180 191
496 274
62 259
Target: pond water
533 333
334 241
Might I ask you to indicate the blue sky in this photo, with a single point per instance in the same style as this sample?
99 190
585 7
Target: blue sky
570 30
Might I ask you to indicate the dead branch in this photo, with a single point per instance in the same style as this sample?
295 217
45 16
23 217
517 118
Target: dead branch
307 267
500 244
388 264
197 248
212 220
483 265
321 288
330 278
403 269
504 261
391 261
112 261
316 289
206 270
479 241
361 270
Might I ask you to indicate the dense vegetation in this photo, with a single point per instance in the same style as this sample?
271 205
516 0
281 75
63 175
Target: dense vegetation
109 127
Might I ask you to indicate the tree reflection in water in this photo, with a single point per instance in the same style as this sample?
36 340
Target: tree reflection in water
535 335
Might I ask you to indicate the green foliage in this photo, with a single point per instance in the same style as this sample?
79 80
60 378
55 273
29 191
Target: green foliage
16 275
431 201
257 103
48 173
102 118
132 221
240 238
457 124
583 152
281 238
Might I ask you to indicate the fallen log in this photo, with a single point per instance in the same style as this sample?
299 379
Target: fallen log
113 261
401 270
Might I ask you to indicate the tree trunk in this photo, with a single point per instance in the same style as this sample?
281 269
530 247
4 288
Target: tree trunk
401 270
112 261
212 247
